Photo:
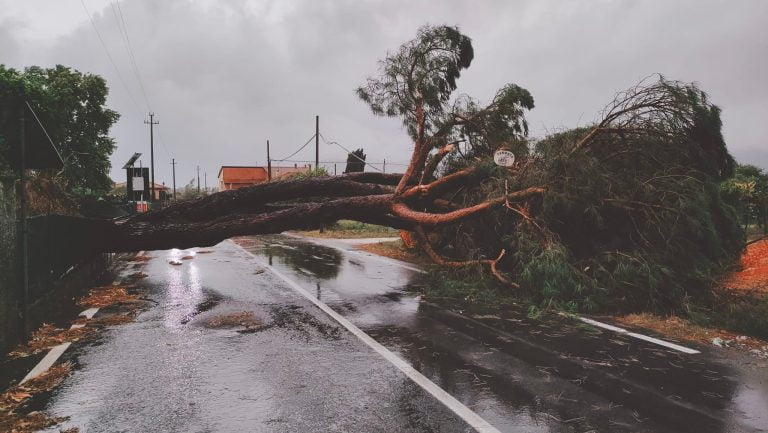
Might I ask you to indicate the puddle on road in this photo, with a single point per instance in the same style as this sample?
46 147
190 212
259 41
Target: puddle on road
211 301
293 317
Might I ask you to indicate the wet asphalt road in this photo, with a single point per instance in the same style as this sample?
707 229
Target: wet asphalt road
170 371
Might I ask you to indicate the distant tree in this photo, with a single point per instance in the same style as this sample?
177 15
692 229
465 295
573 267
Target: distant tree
747 190
72 107
355 162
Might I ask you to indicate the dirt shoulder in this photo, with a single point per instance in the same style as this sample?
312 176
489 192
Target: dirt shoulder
742 300
396 250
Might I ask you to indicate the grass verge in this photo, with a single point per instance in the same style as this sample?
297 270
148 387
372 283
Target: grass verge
346 229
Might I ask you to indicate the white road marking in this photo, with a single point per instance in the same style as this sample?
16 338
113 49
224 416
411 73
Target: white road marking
47 361
89 313
638 336
53 355
440 394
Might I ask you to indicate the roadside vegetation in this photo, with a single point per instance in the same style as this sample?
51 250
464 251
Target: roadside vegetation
347 229
72 106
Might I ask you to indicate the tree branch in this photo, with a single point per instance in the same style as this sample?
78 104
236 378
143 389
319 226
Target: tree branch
402 210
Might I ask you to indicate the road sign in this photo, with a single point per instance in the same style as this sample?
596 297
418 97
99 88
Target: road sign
504 158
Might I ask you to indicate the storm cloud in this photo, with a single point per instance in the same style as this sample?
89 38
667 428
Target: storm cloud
223 77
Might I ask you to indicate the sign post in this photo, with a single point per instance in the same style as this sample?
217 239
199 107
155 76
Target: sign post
504 158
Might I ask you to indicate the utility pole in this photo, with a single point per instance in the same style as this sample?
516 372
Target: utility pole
198 180
152 124
317 142
269 164
173 163
206 182
384 169
23 217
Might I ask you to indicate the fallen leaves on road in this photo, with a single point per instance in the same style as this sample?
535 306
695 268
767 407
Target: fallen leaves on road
108 295
14 398
141 259
245 319
175 263
187 257
30 423
113 319
137 276
204 252
46 337
680 329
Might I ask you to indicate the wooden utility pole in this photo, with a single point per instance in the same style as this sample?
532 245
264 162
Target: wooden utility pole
269 164
206 181
198 180
152 124
384 169
173 163
24 222
317 142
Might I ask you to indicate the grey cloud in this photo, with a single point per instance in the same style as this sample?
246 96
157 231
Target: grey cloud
225 76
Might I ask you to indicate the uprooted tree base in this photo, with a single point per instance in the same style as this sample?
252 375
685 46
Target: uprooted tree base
625 214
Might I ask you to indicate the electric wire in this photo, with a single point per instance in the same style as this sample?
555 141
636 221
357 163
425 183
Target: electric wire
43 128
122 26
299 150
349 153
117 11
109 56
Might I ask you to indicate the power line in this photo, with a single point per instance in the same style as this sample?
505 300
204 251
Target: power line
43 128
299 150
109 56
348 152
129 48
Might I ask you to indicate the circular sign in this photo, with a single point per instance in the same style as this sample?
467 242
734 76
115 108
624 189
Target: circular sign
504 158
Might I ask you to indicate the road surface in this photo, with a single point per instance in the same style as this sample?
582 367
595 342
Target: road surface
298 369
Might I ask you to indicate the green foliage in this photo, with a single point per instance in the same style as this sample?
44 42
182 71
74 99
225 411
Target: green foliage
71 105
425 70
422 74
747 191
746 315
466 285
315 172
630 222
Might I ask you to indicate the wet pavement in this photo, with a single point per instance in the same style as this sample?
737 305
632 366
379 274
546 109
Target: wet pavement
181 367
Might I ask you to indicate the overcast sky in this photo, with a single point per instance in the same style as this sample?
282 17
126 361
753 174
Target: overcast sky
224 76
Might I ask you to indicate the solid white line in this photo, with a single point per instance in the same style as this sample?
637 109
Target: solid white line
639 336
440 394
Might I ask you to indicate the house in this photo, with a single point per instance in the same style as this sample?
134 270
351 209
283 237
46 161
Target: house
234 177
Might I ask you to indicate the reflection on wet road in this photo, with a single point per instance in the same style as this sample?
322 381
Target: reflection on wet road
298 370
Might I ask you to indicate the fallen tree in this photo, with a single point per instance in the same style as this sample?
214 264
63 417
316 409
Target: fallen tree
626 209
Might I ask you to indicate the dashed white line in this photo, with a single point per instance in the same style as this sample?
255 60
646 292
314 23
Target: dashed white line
465 413
639 336
55 353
